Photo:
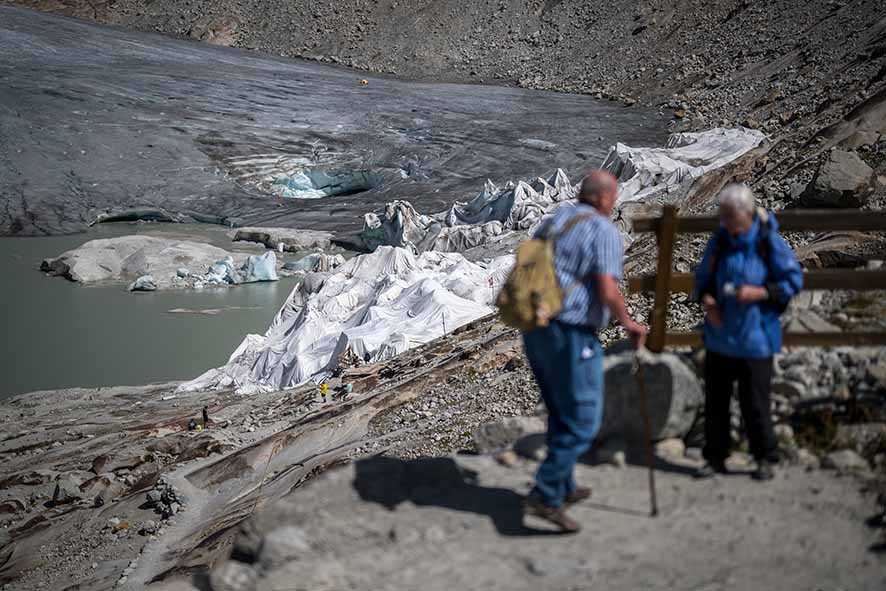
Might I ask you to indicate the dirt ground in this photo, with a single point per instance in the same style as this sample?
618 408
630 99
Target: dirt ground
454 523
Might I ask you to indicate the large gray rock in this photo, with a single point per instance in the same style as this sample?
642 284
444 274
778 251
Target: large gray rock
792 390
292 240
232 576
860 139
877 375
860 436
674 398
841 181
845 460
283 544
67 490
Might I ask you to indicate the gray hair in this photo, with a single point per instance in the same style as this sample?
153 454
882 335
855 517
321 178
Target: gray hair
737 197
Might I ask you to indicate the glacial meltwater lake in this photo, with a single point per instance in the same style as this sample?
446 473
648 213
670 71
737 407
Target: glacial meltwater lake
59 334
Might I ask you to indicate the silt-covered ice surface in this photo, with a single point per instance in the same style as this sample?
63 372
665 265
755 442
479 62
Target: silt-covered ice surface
97 120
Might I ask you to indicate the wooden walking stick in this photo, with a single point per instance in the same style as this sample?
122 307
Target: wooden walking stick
647 427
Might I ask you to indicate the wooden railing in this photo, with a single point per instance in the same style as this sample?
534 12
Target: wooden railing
665 281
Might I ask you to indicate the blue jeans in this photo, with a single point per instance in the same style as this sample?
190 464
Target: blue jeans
567 361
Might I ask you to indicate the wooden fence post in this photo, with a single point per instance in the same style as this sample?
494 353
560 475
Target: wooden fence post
659 315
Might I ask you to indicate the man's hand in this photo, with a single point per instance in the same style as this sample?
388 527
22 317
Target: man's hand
749 294
637 333
712 310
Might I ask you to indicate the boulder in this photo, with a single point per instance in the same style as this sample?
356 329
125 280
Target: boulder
842 180
845 460
11 506
104 486
807 459
674 395
791 390
283 544
860 436
785 434
503 434
67 490
860 139
233 576
876 376
670 448
99 463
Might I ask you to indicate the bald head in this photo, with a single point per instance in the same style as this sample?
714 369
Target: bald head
600 189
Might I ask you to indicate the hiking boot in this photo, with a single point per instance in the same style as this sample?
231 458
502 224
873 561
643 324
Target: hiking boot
710 469
764 471
580 494
535 507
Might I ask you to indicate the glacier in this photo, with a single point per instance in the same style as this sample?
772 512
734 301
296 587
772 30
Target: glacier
415 284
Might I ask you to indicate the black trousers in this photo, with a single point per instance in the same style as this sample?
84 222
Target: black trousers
754 377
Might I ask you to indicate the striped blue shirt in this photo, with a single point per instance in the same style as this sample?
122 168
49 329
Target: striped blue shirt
592 247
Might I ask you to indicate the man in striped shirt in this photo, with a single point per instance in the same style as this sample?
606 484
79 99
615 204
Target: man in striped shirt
565 356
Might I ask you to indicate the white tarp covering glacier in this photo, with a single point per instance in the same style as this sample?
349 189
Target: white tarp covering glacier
645 175
492 212
382 303
373 307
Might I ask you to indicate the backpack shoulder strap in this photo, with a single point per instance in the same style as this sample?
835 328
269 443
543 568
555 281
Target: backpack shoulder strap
571 223
721 243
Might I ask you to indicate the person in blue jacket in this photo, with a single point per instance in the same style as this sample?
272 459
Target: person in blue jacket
746 279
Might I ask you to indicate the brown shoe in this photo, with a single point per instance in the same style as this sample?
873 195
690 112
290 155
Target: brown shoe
556 515
580 494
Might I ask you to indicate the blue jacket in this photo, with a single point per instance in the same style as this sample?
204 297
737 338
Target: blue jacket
748 330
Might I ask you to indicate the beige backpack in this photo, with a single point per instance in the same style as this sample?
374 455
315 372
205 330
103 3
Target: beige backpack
531 296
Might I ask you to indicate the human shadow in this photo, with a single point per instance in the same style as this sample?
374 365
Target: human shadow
440 482
635 455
